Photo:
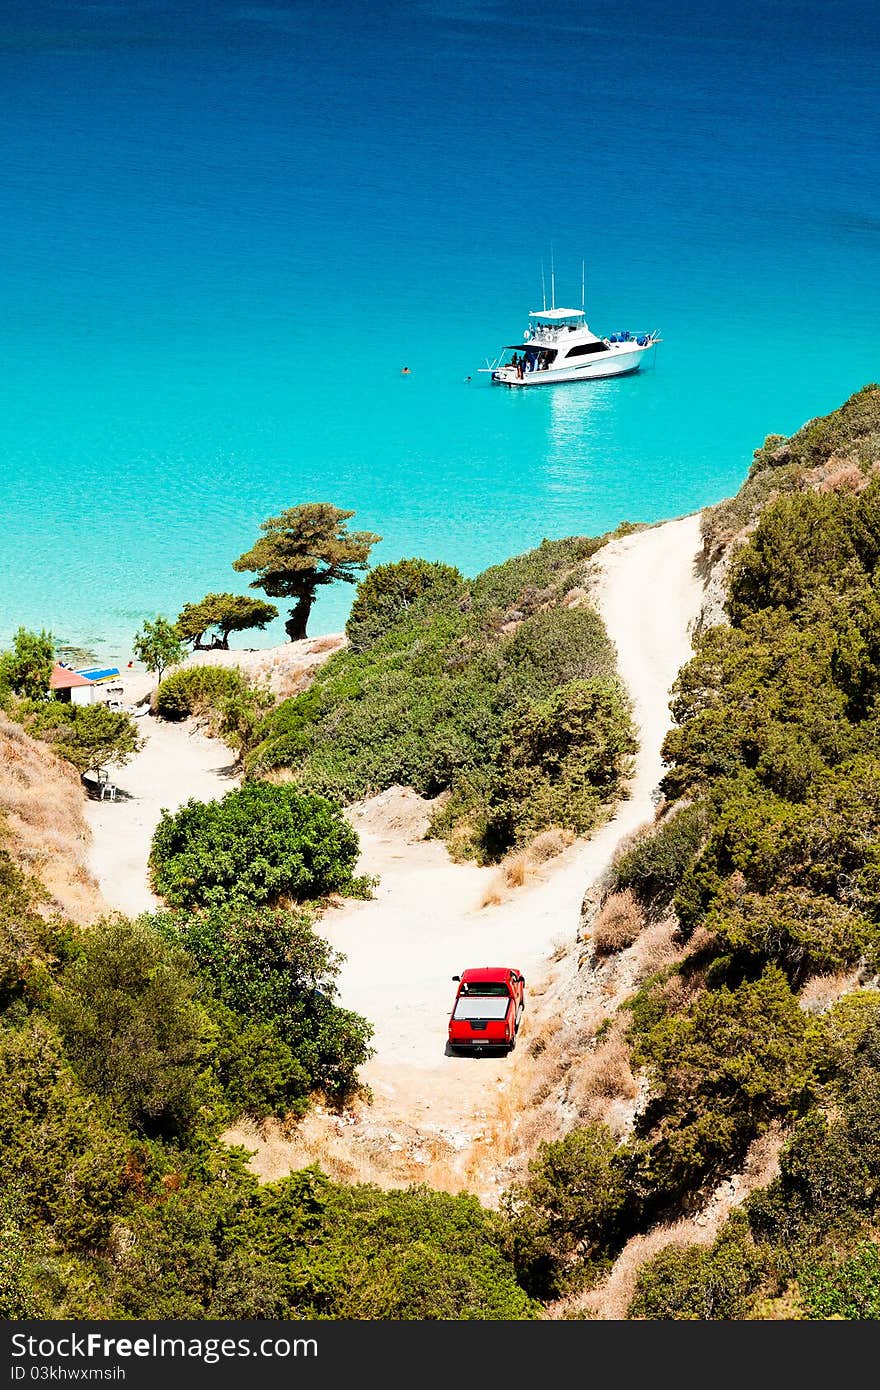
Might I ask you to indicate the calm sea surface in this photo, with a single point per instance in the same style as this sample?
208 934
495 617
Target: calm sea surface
224 228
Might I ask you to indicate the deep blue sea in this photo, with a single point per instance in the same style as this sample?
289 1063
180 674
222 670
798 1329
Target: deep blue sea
224 228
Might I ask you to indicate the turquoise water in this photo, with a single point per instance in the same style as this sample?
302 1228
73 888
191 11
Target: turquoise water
223 230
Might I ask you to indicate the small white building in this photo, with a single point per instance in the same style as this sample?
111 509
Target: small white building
67 684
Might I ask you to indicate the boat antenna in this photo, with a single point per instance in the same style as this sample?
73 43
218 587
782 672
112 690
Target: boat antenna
543 289
583 285
552 281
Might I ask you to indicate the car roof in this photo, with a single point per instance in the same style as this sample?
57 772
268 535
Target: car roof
487 973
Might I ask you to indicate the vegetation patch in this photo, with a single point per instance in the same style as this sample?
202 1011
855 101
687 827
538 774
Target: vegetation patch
259 844
492 690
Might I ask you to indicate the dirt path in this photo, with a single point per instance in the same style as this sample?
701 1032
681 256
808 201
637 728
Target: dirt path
427 923
174 764
178 762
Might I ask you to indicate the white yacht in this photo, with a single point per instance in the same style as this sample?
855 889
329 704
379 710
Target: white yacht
558 345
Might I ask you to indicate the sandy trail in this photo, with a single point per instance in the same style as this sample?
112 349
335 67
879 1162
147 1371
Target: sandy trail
174 764
426 923
177 762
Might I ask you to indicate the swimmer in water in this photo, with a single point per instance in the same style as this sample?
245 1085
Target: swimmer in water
404 371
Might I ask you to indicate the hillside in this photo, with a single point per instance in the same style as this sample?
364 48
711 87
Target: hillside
42 812
689 1127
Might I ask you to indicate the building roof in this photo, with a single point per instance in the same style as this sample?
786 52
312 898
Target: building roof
63 678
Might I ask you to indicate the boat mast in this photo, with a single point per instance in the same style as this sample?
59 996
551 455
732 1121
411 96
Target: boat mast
543 289
583 286
552 281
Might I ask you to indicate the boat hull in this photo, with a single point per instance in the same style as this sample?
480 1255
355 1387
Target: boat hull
618 361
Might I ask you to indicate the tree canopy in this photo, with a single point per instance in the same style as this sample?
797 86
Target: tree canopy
27 667
226 613
88 736
302 548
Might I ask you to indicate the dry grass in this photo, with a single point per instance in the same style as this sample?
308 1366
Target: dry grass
575 598
821 991
549 844
836 475
41 806
523 866
618 924
605 1073
325 644
656 948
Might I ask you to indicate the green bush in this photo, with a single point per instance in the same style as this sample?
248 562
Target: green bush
844 1288
196 689
275 974
133 1026
558 763
696 1282
359 1253
88 736
438 695
259 843
654 865
566 1217
70 1154
26 669
720 1071
389 591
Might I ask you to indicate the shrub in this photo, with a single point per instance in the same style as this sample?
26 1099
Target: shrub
699 1283
196 689
128 1011
273 971
26 669
653 866
88 736
618 924
17 1298
389 591
441 693
844 1288
70 1155
720 1071
360 1253
557 763
259 843
565 1218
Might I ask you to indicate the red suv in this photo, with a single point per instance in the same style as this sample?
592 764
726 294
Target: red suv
488 1008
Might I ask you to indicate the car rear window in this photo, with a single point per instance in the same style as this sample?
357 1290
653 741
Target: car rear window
480 1006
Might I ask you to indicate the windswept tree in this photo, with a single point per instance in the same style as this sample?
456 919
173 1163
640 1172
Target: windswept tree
299 550
158 646
225 613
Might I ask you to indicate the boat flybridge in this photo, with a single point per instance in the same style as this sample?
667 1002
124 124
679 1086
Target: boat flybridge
559 346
